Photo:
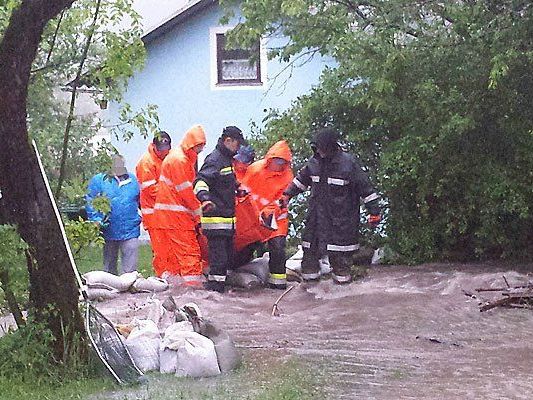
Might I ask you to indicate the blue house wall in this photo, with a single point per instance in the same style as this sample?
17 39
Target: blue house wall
177 78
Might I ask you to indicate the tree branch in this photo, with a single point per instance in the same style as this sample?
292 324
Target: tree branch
73 101
52 46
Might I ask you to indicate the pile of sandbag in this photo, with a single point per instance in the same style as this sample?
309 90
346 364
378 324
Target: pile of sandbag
102 285
250 276
189 347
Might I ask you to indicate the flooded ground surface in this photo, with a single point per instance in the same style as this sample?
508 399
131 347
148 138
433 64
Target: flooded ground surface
401 333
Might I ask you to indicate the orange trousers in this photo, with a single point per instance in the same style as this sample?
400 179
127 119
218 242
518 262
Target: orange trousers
176 252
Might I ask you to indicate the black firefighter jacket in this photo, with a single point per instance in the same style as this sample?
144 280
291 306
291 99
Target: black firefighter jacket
337 186
216 182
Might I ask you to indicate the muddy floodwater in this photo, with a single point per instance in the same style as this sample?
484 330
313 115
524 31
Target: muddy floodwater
401 333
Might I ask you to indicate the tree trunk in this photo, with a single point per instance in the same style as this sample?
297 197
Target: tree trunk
25 199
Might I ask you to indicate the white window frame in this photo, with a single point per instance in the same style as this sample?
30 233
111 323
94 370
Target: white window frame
213 61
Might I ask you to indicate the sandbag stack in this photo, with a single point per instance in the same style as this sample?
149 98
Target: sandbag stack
102 285
190 347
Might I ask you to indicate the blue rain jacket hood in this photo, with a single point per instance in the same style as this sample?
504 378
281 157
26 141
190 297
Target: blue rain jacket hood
122 222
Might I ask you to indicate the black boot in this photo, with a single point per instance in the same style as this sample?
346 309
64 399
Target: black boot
279 286
215 286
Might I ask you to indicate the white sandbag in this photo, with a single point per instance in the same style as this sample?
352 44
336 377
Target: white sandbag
191 310
143 344
257 267
99 293
378 256
152 310
294 263
228 356
150 284
121 283
168 360
325 267
196 356
243 280
168 354
173 334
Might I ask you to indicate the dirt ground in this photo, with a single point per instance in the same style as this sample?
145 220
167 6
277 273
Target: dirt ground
401 333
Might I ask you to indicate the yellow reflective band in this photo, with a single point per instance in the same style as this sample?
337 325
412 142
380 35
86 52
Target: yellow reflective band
226 171
218 220
278 276
200 185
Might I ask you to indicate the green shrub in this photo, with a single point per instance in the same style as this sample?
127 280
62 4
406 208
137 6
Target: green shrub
13 271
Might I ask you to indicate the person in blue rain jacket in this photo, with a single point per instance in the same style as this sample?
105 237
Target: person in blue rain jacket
120 227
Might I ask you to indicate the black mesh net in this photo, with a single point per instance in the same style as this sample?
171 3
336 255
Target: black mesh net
110 347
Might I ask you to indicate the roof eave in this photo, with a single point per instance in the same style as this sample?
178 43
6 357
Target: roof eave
178 17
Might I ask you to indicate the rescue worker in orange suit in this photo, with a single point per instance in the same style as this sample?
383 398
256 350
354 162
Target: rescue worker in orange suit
266 180
338 185
177 212
148 170
249 233
215 188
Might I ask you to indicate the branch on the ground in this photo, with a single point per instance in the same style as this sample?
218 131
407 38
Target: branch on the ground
275 307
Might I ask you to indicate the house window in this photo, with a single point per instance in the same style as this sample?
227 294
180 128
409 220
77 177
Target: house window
237 66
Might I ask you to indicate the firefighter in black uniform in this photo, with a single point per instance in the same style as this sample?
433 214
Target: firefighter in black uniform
215 186
337 184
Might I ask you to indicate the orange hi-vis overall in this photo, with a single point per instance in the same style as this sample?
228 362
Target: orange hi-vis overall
177 211
147 171
266 188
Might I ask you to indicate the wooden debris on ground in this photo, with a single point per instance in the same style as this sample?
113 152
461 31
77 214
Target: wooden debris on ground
517 296
275 307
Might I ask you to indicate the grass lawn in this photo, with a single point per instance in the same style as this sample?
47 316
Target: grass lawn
90 259
263 375
26 389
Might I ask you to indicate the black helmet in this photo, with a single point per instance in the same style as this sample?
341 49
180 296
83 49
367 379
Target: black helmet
326 140
234 133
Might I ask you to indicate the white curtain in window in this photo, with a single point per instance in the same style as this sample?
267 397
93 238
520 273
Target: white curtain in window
238 69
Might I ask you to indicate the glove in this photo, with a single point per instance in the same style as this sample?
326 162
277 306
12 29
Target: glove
284 201
208 206
374 220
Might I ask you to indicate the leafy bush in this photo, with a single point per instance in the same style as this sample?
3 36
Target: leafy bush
436 100
13 271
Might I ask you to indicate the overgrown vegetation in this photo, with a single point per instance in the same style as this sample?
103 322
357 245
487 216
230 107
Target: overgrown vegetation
435 97
28 369
13 273
264 377
86 53
115 51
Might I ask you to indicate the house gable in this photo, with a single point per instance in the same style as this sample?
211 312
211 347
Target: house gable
178 77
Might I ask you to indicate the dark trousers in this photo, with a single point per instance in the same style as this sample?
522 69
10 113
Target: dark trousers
341 262
220 256
276 250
